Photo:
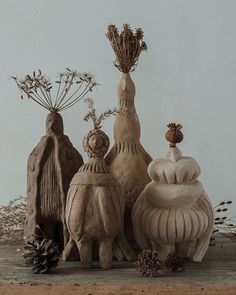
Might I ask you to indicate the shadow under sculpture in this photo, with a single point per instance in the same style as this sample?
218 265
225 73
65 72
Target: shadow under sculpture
173 213
51 166
95 206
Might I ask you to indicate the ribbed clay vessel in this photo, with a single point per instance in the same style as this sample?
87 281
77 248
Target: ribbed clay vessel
174 212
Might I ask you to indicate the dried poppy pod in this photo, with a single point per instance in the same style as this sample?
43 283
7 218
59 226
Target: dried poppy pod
174 134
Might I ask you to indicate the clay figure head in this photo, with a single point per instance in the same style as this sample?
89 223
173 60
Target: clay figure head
96 143
54 124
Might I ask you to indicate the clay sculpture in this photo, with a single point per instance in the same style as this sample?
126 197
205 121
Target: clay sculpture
95 203
173 213
54 161
127 159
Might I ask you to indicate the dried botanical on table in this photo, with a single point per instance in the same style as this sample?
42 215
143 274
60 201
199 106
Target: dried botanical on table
42 254
148 263
95 203
223 225
12 221
127 159
54 161
174 262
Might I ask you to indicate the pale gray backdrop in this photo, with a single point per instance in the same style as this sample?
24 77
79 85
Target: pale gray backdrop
187 75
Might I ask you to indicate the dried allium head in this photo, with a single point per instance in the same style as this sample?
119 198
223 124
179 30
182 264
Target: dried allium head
72 86
127 46
174 262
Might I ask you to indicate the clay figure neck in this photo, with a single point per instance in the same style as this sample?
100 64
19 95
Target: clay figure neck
95 165
126 93
54 124
127 126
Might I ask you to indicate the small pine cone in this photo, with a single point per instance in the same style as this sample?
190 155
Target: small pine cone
148 263
174 262
43 255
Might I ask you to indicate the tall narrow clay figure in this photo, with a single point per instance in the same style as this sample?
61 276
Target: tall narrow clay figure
95 203
127 159
54 161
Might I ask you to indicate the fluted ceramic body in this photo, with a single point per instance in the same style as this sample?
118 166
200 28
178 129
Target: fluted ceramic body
127 159
95 206
173 208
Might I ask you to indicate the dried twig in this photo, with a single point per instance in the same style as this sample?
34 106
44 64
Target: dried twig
97 120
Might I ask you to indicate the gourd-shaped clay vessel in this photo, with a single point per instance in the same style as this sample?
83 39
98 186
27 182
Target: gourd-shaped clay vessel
127 159
51 166
95 206
174 210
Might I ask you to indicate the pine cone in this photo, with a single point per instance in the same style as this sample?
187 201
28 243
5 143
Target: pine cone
43 255
174 262
148 263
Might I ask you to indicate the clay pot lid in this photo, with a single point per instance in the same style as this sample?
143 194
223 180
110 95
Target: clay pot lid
174 134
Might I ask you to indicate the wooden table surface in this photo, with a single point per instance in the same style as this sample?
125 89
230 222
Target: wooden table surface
216 274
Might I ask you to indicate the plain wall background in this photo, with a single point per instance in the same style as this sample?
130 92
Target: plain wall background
187 75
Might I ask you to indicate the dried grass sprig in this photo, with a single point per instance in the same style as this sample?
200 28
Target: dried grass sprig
12 221
97 120
127 46
72 86
223 225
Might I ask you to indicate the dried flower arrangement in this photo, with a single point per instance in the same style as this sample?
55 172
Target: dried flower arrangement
149 264
127 46
12 221
224 225
72 87
42 254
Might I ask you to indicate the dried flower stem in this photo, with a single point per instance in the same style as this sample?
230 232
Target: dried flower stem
97 120
38 88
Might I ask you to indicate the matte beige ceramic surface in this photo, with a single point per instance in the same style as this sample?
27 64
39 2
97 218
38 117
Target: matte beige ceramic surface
127 159
51 166
173 210
95 206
